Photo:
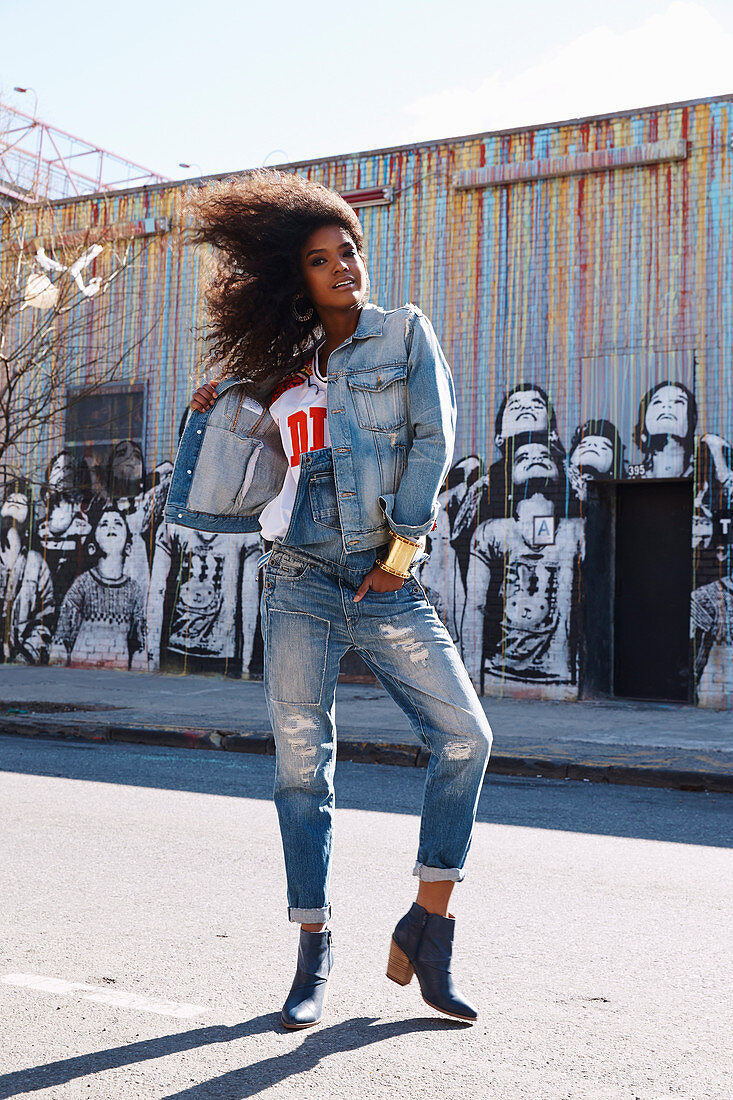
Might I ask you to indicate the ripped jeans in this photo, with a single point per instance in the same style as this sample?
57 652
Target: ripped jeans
310 621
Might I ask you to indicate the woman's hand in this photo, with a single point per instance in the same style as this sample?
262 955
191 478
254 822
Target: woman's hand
205 396
379 580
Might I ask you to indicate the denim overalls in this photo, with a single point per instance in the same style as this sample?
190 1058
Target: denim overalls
309 621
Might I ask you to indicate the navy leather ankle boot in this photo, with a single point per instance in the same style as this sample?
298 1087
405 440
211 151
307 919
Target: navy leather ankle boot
304 1004
422 944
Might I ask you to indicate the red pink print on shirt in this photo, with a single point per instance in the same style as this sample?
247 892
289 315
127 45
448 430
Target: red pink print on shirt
303 424
292 380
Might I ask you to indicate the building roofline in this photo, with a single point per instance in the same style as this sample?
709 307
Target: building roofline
431 143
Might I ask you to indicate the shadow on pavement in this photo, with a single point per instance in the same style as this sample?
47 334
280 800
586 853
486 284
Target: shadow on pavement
683 817
246 1081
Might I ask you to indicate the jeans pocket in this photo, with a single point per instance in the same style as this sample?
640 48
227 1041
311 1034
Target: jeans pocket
385 597
403 598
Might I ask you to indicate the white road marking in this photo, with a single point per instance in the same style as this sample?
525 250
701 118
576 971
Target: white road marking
106 996
47 985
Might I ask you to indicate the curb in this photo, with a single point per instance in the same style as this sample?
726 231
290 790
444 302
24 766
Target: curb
261 742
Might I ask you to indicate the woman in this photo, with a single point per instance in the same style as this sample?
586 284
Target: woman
525 408
665 430
596 454
26 590
341 470
102 616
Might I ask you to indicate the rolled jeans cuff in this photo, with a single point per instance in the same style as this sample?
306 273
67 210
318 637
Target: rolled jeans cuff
309 916
438 874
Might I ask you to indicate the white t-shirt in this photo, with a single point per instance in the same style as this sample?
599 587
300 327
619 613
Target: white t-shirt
299 409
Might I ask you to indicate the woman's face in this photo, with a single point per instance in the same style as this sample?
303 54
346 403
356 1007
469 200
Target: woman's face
525 411
666 413
17 507
111 533
333 271
62 473
533 460
127 462
61 516
594 452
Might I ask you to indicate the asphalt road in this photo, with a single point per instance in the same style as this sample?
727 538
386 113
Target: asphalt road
145 950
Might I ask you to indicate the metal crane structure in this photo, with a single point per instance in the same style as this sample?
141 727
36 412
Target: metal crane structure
39 162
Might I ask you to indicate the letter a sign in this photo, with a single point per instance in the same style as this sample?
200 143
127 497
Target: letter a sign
543 533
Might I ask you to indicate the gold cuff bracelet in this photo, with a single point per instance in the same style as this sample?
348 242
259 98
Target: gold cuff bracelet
400 555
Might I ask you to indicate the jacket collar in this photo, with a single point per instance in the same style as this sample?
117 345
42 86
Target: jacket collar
371 322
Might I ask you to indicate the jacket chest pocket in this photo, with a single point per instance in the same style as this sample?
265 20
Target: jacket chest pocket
380 397
224 472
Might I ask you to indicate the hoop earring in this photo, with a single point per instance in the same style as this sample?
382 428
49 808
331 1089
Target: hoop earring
302 317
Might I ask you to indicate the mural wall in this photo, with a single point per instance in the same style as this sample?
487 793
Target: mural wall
588 318
506 568
98 580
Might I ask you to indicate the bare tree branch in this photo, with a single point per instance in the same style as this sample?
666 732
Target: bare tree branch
65 301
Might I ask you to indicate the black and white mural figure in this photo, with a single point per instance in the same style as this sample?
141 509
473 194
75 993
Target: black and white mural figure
712 625
126 487
61 473
711 619
440 574
203 600
713 509
60 539
102 616
596 454
126 471
519 622
91 480
525 408
462 476
27 603
665 431
85 570
153 506
62 525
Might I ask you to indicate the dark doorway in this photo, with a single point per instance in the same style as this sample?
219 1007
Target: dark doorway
653 581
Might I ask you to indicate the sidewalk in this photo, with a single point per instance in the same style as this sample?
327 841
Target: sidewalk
649 744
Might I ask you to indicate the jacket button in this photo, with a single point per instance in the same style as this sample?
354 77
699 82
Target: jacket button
180 515
198 431
188 471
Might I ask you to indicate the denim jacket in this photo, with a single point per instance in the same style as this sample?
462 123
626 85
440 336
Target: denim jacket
391 417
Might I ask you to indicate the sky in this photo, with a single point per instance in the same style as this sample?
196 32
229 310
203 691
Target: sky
225 85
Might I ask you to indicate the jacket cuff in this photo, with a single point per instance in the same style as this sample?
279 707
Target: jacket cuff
407 530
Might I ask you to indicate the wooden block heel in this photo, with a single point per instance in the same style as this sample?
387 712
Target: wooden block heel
399 967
